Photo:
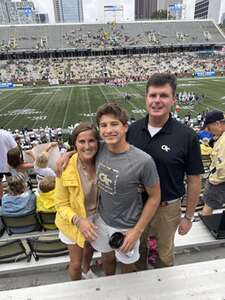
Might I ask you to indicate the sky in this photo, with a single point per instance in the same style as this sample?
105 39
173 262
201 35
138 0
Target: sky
91 10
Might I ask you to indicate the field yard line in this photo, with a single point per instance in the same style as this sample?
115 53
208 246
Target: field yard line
129 102
89 105
67 107
43 111
103 93
24 108
208 106
8 103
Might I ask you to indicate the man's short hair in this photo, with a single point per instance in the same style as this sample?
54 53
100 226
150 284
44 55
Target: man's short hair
112 109
160 79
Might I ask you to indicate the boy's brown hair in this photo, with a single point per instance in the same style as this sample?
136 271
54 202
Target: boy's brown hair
112 109
47 184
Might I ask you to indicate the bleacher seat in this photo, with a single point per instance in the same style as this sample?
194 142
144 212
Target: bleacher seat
21 224
13 251
2 228
47 220
46 247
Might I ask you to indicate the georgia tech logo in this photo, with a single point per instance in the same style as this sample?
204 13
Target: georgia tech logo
165 148
105 179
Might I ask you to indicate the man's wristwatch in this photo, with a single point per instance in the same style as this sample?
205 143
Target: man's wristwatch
189 218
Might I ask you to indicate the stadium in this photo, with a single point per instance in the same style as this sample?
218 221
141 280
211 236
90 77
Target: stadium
52 77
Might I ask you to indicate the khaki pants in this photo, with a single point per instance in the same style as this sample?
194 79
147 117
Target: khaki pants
163 227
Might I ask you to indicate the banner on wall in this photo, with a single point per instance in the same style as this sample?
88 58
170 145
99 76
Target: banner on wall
205 74
6 85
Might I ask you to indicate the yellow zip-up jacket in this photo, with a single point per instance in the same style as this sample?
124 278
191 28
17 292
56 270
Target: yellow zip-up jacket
69 201
45 202
218 161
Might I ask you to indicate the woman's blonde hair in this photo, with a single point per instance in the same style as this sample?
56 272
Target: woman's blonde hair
17 184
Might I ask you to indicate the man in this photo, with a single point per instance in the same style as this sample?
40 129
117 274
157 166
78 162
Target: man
7 142
176 152
214 194
120 169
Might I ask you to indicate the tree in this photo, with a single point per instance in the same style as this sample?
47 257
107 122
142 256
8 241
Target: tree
159 14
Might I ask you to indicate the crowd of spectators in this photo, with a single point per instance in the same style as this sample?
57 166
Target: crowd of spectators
135 67
108 36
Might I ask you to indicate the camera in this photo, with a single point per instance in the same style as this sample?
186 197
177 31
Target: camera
116 240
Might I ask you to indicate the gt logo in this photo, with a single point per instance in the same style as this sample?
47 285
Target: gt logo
165 148
105 179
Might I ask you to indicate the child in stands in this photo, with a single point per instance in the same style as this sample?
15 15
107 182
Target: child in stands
19 200
46 197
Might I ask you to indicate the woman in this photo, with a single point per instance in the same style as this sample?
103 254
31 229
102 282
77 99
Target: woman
17 164
75 201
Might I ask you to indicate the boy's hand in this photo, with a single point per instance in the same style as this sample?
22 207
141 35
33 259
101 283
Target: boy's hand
130 240
62 162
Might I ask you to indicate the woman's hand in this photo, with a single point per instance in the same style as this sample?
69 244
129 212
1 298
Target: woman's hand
88 229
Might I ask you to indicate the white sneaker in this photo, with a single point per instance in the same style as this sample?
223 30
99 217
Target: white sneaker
89 275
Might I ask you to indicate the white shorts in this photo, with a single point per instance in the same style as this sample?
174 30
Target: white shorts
63 238
101 244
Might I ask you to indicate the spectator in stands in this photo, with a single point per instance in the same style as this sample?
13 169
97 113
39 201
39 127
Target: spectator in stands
76 200
18 141
7 142
120 169
19 200
205 147
214 194
45 201
175 149
17 164
41 162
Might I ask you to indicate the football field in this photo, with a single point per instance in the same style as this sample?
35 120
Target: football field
62 106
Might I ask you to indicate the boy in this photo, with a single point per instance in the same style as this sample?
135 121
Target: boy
121 168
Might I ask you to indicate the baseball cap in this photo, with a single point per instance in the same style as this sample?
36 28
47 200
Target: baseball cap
213 116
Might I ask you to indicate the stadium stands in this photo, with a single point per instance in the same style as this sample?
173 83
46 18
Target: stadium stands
108 36
135 67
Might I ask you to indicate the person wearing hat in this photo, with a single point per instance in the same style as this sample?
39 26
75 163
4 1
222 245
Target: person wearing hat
214 194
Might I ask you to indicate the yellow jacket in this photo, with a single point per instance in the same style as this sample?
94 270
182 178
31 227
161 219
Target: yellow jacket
69 201
218 161
45 202
205 150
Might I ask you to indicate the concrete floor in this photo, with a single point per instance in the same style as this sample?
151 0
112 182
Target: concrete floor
56 275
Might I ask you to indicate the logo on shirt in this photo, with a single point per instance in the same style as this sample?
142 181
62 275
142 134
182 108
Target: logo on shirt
107 178
165 148
104 179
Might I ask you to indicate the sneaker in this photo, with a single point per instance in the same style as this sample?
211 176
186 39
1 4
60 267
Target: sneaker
89 275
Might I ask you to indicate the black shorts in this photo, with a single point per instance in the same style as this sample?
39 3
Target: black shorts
6 174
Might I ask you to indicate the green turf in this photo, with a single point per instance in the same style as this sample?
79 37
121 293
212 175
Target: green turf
64 105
